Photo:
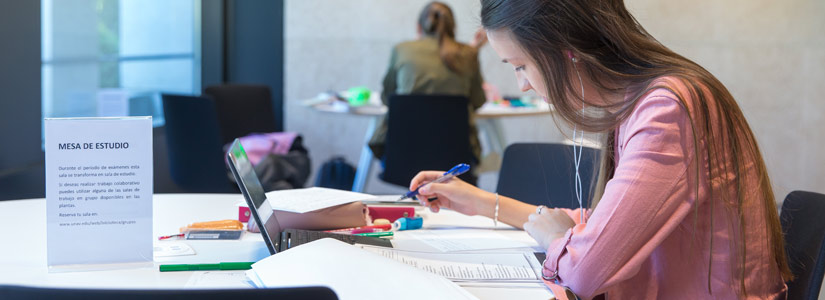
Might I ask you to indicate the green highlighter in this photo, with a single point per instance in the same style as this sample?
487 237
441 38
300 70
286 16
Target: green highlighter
376 234
208 267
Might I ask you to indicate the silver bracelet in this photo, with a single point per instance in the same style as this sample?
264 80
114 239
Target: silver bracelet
495 215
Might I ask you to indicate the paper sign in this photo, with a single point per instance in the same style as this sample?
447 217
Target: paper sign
98 190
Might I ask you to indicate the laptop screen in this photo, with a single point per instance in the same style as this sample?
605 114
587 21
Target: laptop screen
254 194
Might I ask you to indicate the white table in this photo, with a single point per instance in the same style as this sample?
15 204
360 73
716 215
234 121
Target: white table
23 255
488 119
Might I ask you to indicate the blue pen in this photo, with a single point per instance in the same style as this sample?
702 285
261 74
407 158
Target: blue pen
455 171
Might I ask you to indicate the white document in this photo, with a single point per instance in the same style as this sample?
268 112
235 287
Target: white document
310 199
353 273
464 240
218 280
98 190
392 200
169 248
505 266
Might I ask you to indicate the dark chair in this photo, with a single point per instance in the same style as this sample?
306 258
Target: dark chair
194 145
8 292
426 132
804 227
544 174
242 109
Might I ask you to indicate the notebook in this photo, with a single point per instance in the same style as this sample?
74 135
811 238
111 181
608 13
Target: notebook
276 238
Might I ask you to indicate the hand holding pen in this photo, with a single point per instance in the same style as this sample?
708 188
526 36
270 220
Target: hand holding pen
453 194
455 171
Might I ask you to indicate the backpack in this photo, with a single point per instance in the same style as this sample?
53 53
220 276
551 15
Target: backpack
285 171
280 170
336 173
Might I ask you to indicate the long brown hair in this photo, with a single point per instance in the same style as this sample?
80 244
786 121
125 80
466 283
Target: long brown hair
436 20
621 58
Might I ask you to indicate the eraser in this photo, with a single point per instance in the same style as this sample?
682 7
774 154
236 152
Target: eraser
243 214
408 223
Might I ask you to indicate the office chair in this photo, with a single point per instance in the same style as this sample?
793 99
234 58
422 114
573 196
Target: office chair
544 174
438 144
804 229
8 292
194 145
243 109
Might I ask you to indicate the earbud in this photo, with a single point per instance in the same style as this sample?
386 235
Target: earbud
573 58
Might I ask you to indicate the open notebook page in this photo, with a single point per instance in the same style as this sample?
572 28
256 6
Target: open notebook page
353 273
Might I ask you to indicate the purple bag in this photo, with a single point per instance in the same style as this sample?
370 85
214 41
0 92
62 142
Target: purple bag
279 158
259 145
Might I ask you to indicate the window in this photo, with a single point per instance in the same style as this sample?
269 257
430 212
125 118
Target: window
114 57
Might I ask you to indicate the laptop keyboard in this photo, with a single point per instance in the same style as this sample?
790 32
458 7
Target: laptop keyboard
294 237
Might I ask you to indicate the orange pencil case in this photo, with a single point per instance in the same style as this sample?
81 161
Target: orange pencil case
213 225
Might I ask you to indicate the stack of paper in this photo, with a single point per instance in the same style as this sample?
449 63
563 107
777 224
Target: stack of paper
310 199
351 272
464 240
509 267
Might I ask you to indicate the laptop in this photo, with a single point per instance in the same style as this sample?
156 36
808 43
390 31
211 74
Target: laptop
276 238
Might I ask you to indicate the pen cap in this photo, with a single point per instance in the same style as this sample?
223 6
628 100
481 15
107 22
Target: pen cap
408 223
458 169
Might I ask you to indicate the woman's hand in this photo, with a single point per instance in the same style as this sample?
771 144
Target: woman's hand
548 226
454 194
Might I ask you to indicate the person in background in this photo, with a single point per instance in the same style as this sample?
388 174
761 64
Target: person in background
683 208
436 64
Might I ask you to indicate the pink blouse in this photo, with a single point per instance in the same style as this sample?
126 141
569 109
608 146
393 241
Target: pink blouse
646 240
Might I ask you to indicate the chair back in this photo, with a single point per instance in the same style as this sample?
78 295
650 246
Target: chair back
426 132
194 145
544 174
804 227
8 292
242 109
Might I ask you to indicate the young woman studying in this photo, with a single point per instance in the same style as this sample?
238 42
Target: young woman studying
683 207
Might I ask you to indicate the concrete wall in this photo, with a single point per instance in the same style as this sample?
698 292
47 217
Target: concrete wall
770 55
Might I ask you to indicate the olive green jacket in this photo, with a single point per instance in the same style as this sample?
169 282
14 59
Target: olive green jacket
416 68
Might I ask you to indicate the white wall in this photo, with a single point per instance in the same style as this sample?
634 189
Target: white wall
770 55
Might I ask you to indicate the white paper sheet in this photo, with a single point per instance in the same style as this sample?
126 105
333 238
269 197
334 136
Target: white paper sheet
169 249
464 240
353 273
98 190
310 199
218 280
392 200
504 266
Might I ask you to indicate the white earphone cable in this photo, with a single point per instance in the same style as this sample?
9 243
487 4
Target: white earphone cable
577 153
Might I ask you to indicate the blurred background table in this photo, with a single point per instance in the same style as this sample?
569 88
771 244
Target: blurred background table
488 120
